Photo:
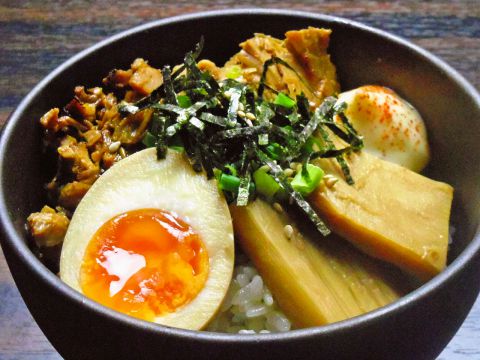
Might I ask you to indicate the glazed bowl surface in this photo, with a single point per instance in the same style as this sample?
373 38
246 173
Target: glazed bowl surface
418 326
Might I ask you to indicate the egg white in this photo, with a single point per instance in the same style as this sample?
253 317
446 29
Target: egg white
141 181
392 128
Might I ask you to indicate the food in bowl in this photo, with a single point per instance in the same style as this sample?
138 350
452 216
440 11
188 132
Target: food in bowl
139 242
269 129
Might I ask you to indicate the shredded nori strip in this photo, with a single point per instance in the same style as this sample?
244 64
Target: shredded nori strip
242 132
235 95
243 190
214 119
170 96
226 127
340 159
274 61
158 129
319 114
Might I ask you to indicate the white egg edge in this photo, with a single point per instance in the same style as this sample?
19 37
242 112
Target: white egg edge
147 183
414 160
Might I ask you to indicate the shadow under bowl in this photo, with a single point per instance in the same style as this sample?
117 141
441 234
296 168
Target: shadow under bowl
418 326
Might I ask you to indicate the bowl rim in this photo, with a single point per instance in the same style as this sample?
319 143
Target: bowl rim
21 250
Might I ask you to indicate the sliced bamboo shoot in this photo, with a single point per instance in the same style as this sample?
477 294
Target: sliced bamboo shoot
315 280
391 213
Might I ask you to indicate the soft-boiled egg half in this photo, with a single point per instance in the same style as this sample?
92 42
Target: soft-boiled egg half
392 128
152 239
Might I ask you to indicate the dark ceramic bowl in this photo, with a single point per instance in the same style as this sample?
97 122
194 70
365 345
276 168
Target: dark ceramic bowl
417 326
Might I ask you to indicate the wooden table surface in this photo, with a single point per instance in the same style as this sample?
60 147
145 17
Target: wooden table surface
36 36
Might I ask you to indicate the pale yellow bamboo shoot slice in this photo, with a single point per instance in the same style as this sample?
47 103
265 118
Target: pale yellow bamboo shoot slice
391 213
315 280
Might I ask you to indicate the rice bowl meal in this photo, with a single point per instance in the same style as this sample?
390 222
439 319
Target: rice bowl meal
249 198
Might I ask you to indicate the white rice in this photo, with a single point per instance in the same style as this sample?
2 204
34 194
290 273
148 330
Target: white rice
249 307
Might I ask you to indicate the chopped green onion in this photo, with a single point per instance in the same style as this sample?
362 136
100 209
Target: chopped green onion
312 145
263 139
184 101
218 174
233 72
293 195
306 183
177 148
265 184
232 169
275 151
229 182
149 139
284 100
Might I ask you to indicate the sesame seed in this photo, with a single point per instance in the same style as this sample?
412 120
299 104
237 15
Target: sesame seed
278 208
113 147
288 231
293 165
330 180
250 116
241 113
122 152
288 172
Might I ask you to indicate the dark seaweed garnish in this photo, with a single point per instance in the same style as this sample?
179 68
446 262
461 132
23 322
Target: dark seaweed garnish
227 128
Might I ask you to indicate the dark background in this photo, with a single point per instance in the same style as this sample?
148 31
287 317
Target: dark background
36 36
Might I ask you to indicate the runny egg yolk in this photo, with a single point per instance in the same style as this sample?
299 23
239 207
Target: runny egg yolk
144 263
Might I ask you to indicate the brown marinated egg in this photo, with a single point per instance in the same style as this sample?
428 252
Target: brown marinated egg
152 239
392 128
